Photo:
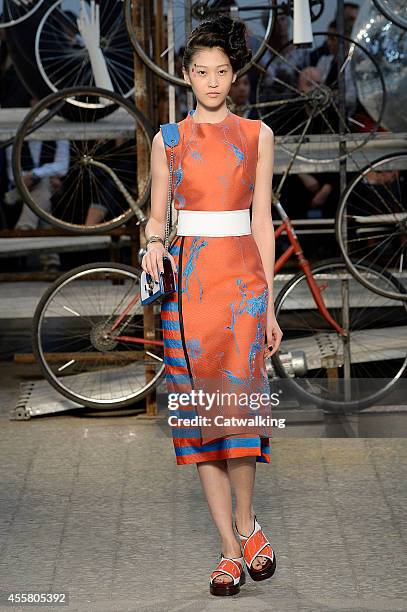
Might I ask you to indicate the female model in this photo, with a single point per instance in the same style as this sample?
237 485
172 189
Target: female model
215 323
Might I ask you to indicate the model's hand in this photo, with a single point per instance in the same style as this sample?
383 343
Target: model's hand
273 333
152 261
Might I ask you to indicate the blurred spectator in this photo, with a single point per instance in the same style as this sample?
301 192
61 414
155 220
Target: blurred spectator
12 94
280 82
328 119
350 13
43 163
240 95
181 93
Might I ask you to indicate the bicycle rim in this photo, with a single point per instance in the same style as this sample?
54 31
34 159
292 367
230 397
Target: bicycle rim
100 163
81 353
371 223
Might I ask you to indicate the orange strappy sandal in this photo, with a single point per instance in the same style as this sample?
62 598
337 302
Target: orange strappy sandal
254 545
234 569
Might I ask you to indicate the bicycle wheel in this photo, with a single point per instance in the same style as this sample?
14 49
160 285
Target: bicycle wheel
181 16
62 56
13 13
371 223
394 10
341 373
301 102
82 336
97 185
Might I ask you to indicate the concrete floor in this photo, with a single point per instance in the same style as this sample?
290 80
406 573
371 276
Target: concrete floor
96 507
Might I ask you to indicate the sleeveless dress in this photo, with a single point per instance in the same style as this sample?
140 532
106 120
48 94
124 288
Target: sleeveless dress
214 324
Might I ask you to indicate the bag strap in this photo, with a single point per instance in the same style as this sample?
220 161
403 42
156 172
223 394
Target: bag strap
170 133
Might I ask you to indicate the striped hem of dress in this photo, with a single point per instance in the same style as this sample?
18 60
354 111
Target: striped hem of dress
187 451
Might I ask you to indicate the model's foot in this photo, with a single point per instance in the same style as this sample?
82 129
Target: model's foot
245 526
232 552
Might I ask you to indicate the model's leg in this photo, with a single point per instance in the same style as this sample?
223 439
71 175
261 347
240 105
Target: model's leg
216 485
242 474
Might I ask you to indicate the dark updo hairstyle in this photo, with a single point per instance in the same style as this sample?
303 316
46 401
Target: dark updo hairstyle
225 32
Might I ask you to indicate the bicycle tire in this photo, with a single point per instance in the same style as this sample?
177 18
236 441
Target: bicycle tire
340 213
25 128
14 22
39 353
384 10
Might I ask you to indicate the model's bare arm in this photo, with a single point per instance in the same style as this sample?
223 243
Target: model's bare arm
152 261
159 186
262 224
263 230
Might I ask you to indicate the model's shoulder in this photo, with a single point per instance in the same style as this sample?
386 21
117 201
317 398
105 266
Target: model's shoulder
266 133
246 120
158 137
256 124
266 129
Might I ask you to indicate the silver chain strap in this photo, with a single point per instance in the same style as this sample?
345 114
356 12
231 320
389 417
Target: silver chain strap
169 199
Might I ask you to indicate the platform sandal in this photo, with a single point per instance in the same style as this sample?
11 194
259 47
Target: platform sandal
254 545
233 567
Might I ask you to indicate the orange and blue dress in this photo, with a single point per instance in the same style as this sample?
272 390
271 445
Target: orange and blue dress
214 324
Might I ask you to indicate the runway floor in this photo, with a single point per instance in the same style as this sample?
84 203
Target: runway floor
96 507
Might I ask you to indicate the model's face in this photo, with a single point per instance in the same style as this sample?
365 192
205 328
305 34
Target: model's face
210 71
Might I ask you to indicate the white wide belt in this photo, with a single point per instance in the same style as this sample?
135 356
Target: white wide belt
214 222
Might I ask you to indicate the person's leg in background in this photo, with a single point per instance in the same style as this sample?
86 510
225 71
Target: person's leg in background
29 220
